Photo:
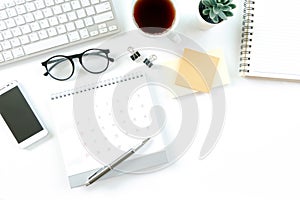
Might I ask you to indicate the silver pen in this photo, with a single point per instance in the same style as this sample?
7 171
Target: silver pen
101 172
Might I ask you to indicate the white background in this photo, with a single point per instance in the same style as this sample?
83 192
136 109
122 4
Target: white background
257 156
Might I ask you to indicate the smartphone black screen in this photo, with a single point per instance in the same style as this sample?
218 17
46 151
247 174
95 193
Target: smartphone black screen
18 115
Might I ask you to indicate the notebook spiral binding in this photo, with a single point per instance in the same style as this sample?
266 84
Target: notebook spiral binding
95 86
246 40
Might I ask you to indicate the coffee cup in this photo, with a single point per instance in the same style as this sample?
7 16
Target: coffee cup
155 18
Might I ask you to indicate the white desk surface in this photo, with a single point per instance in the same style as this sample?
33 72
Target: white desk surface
257 156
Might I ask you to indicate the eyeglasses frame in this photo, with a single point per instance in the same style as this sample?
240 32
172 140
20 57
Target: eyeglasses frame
79 56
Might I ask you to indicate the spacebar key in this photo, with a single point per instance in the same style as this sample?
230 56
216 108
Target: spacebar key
45 44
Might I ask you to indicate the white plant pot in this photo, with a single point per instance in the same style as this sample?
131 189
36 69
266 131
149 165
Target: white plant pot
203 25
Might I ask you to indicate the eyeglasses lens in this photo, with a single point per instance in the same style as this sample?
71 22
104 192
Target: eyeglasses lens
60 67
95 61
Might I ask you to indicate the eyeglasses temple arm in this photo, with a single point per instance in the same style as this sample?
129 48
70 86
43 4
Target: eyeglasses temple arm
111 59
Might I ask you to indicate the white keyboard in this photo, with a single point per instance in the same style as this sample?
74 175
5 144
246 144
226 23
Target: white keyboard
31 27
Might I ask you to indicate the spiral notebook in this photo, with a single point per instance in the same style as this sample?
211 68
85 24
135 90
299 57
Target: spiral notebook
270 39
87 127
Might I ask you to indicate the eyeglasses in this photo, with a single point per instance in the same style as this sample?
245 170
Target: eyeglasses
62 67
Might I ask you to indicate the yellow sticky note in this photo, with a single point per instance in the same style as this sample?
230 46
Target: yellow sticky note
222 69
197 70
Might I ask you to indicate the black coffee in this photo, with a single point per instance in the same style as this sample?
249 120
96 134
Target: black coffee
154 16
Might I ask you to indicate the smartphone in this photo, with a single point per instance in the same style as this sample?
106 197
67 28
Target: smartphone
19 116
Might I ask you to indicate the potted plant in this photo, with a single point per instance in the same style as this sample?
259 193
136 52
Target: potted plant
212 12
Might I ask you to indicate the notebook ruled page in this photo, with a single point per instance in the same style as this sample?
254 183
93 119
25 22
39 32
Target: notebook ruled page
275 46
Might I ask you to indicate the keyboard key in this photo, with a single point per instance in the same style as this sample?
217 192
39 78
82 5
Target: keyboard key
61 29
66 7
46 44
29 17
21 9
84 33
1 37
11 12
30 7
38 15
10 23
95 1
16 31
57 10
2 6
18 52
75 4
103 25
9 4
33 37
62 18
103 7
5 45
103 30
42 34
51 32
35 26
103 17
7 34
70 26
25 29
49 3
20 20
73 36
72 16
88 21
79 24
39 4
48 12
53 21
2 26
85 3
93 33
24 39
3 15
81 13
15 42
7 55
90 11
44 23
18 2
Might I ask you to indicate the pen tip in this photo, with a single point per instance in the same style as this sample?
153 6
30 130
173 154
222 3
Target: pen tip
87 184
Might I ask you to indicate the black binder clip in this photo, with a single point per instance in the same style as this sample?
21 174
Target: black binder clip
135 55
149 61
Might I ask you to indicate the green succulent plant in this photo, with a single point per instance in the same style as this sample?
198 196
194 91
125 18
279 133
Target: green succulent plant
217 10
